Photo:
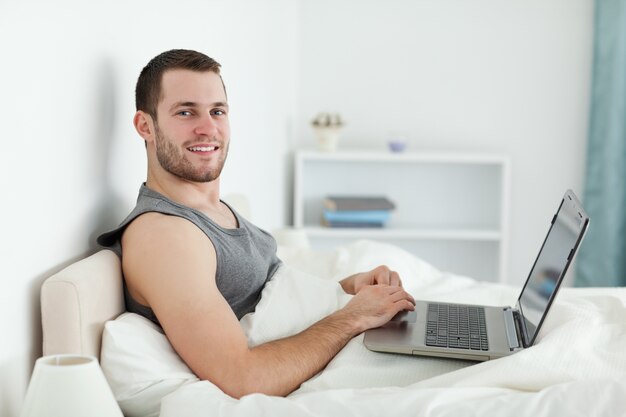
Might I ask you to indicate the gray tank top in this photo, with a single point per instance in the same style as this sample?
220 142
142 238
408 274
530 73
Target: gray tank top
246 256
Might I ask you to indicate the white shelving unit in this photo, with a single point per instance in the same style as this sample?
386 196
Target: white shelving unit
451 209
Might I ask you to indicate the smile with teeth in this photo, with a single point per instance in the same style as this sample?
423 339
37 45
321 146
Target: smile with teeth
202 148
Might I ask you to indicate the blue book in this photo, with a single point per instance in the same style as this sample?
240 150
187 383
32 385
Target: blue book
357 216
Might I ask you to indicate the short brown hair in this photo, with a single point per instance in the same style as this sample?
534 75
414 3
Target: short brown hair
148 89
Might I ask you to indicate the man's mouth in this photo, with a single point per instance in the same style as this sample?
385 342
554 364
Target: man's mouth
202 148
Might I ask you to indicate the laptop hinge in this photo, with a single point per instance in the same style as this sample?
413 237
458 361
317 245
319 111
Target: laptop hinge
513 334
520 326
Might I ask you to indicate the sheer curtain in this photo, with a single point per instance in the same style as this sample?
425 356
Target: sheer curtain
602 258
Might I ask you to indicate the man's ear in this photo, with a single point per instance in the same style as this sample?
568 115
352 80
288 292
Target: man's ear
144 125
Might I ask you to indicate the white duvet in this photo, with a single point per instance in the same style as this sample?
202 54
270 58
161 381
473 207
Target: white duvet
577 367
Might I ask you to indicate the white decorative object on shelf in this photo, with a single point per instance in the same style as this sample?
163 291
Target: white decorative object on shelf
69 386
452 209
327 128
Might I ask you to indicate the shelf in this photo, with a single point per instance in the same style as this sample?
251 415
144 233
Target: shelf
451 208
396 233
422 157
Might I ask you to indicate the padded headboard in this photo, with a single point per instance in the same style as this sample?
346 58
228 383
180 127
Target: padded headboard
77 301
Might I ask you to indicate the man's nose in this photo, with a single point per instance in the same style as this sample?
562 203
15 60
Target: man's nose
206 126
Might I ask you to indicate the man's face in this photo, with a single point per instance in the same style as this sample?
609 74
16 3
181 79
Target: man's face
192 132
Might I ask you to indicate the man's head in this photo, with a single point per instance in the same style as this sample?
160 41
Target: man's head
182 114
149 85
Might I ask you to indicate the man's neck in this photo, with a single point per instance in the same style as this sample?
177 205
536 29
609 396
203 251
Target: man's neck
203 196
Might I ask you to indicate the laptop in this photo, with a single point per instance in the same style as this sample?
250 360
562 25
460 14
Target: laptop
480 333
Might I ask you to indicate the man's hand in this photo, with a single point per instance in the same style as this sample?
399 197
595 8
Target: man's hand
375 305
378 296
380 275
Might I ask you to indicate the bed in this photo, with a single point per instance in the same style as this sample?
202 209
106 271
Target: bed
577 368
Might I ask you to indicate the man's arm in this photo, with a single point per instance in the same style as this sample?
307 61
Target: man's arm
169 265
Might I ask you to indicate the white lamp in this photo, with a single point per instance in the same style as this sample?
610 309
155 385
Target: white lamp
69 386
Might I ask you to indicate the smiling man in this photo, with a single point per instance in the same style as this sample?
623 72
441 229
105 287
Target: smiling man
195 267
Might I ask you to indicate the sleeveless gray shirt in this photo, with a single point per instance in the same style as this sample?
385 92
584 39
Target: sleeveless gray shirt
246 256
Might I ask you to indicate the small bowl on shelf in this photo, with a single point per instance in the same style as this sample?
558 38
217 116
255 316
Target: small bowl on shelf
397 145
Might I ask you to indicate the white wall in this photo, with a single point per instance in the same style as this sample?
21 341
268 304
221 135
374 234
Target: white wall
509 77
71 161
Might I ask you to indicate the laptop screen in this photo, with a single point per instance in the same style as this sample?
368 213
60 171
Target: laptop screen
557 251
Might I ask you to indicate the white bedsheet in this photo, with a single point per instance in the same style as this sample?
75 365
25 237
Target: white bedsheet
577 367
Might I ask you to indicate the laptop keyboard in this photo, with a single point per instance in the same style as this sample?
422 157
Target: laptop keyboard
456 326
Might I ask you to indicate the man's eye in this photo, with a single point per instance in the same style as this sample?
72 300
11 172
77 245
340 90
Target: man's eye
219 112
184 113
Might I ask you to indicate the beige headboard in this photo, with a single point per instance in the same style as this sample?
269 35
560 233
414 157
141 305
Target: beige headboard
77 301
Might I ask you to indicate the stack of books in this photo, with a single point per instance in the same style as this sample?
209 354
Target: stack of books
356 211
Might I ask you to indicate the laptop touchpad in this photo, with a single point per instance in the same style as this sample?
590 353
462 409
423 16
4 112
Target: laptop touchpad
405 316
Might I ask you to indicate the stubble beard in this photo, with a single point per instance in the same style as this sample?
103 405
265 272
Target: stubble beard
172 160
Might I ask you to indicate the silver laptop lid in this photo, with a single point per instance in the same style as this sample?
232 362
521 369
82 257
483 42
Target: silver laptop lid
557 252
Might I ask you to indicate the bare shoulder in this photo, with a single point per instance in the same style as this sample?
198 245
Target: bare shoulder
158 251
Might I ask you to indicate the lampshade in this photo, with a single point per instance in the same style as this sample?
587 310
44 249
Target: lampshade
69 386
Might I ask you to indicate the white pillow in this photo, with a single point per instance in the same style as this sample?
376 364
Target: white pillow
140 364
